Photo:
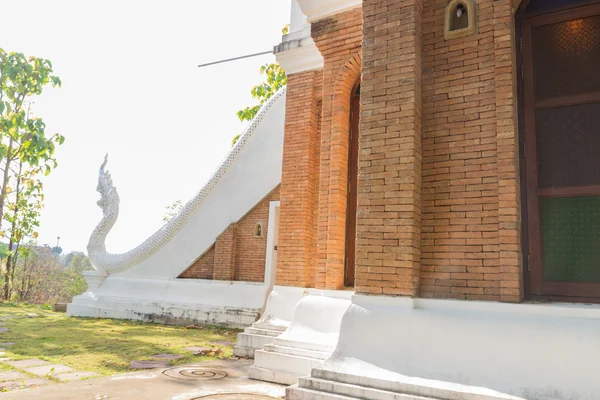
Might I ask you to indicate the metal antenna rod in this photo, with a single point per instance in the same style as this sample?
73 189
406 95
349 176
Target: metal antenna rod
235 58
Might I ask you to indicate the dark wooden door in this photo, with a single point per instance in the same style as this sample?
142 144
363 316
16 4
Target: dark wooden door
352 188
561 119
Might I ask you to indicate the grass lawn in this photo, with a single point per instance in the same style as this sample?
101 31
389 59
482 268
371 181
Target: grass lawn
101 345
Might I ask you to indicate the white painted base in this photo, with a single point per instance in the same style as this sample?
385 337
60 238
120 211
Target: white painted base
275 320
459 350
94 280
173 301
310 338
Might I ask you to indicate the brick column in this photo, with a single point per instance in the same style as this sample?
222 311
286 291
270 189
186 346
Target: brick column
509 203
298 181
339 40
389 192
225 252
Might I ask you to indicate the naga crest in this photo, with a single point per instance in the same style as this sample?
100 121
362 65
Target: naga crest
109 198
110 263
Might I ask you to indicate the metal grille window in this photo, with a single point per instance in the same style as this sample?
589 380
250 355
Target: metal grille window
569 145
561 114
566 57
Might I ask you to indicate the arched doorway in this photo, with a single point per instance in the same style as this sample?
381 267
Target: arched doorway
352 199
560 135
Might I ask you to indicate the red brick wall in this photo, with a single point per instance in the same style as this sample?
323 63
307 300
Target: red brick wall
470 222
509 203
251 251
313 198
296 256
438 184
339 41
237 254
202 268
460 184
439 210
389 202
225 254
315 188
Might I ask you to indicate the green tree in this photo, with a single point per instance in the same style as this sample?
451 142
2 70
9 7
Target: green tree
72 276
3 251
42 278
23 137
24 208
275 79
77 261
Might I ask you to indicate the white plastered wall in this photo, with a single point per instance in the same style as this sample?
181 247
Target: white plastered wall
538 352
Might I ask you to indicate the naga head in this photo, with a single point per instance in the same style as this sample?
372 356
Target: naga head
109 198
109 203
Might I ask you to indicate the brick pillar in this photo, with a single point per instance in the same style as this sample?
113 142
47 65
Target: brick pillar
225 252
298 181
337 188
339 40
389 193
509 204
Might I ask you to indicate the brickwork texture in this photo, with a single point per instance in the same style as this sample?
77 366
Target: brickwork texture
238 254
438 203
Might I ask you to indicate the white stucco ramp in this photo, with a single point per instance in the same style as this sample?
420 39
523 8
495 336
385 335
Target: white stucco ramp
142 283
455 350
310 338
276 318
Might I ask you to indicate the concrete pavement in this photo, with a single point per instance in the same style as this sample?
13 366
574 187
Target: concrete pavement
175 383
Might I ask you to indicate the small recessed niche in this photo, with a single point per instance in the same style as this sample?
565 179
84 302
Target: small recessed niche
460 19
258 230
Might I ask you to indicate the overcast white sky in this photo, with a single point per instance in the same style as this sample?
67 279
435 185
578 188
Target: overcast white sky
131 87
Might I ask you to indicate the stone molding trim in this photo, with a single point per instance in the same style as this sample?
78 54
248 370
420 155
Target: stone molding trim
298 55
114 263
319 9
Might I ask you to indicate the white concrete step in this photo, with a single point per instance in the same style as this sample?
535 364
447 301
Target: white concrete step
295 351
247 344
243 352
390 388
262 331
350 391
297 393
271 327
281 368
257 342
269 375
279 341
255 338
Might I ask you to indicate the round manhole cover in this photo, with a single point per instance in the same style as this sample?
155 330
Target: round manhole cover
195 373
235 396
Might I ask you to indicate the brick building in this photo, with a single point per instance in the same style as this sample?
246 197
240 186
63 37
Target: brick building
421 203
439 165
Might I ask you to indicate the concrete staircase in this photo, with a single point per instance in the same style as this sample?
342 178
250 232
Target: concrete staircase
284 361
309 388
309 340
339 386
255 338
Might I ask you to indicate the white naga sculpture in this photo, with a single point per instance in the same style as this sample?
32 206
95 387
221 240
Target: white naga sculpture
104 261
